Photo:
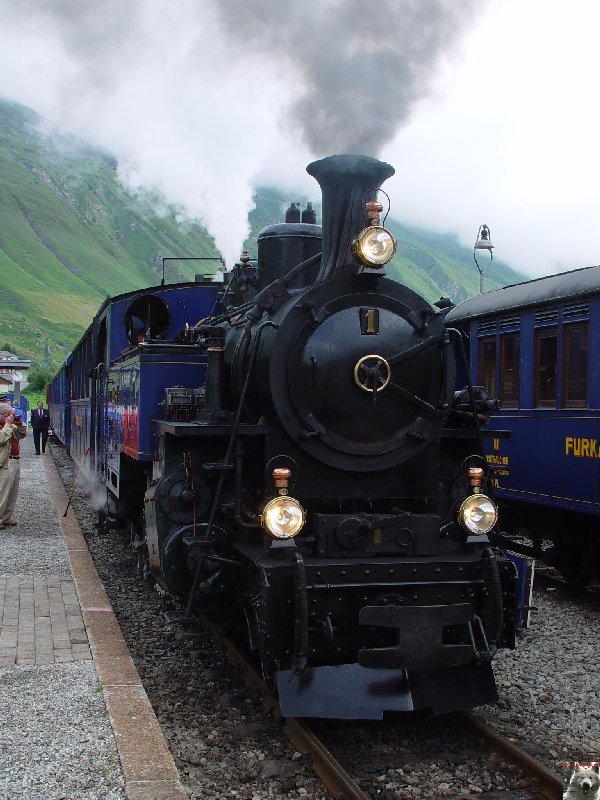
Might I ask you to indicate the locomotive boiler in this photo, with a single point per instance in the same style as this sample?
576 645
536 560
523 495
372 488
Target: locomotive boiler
319 493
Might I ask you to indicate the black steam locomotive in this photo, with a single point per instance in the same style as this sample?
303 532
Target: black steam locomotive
315 484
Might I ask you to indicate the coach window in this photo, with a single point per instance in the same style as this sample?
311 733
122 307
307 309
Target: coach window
575 365
487 364
545 366
510 352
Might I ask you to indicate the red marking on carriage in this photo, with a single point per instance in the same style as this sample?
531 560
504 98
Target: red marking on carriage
131 429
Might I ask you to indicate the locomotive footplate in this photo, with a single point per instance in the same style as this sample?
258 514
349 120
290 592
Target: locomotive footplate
349 691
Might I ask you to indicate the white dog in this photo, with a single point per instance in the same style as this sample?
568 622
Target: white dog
584 783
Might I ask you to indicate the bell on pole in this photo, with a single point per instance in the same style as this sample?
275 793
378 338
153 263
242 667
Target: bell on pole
483 239
482 242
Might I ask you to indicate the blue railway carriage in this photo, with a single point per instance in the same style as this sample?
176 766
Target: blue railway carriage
58 401
104 397
532 346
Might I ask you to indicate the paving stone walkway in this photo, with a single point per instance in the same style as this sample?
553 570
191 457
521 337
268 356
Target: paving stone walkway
40 621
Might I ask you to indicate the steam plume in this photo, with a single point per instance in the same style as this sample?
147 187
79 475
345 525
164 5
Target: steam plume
194 97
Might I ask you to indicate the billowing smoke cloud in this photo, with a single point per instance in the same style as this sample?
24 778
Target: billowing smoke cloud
355 68
196 97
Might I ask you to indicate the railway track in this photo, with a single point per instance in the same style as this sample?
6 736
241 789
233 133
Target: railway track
338 782
549 785
337 777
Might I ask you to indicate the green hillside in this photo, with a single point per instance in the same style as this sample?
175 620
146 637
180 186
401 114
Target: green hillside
70 235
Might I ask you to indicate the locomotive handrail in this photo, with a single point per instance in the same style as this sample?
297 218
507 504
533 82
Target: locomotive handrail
416 401
227 316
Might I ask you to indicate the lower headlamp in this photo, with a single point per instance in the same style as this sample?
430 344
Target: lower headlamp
478 514
283 517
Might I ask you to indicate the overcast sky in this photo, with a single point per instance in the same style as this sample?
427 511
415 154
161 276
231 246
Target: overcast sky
486 108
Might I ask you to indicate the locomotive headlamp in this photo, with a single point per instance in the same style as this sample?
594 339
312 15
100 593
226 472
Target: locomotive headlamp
283 517
478 514
374 247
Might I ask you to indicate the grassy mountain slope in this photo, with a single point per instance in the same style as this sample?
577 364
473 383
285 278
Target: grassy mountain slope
70 235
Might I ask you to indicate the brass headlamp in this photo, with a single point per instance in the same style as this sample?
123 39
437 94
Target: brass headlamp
375 245
478 513
283 517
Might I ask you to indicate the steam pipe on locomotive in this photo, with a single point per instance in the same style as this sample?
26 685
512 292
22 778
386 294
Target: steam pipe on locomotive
334 524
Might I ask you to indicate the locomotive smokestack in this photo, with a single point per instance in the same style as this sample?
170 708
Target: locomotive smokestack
347 183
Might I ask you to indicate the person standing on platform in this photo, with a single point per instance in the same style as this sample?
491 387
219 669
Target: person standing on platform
40 422
11 431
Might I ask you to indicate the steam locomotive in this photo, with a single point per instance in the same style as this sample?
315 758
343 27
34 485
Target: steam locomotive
293 459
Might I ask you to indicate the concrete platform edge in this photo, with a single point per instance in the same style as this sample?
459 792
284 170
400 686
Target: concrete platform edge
146 761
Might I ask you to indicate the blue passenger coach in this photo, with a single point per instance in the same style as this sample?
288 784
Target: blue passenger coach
58 401
532 346
104 397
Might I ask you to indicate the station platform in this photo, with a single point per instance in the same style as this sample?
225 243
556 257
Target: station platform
75 721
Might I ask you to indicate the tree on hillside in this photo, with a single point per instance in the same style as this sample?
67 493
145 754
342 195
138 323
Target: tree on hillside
39 378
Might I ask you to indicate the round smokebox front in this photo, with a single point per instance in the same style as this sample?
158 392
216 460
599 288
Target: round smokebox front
355 381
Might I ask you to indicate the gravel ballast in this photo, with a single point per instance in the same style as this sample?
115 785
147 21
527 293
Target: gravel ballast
549 685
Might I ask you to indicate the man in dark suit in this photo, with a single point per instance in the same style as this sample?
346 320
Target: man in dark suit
40 422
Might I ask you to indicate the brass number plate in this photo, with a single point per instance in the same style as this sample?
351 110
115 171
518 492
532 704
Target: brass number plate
369 321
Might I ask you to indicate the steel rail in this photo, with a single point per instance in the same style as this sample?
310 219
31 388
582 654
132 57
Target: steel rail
338 782
550 785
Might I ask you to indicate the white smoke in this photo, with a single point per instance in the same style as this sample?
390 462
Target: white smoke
94 487
195 97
